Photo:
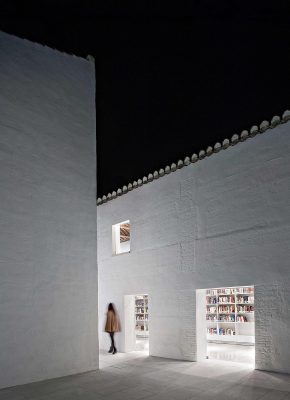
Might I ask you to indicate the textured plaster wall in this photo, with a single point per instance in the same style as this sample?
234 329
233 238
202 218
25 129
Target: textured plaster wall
224 221
48 268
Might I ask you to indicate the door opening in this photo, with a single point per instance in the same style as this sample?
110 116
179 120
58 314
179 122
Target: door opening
136 323
142 322
225 320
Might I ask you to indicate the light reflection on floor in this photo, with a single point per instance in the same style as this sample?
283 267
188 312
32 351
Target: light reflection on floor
231 352
142 344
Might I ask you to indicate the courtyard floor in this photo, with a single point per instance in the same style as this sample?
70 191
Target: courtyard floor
136 376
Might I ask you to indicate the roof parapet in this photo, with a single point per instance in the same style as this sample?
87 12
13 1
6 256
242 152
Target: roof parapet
235 139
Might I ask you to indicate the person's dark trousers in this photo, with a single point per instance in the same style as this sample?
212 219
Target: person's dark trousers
113 347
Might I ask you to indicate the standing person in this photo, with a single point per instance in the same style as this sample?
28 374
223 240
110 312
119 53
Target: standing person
112 326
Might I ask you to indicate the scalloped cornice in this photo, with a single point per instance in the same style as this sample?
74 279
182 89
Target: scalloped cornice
235 139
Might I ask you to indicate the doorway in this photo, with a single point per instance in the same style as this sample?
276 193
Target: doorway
225 319
141 322
137 323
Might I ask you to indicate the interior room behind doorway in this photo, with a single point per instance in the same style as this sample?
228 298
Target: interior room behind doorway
227 328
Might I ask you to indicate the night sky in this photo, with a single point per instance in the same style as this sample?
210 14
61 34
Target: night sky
169 80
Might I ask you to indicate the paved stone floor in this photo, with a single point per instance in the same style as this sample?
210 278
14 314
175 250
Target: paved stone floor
136 376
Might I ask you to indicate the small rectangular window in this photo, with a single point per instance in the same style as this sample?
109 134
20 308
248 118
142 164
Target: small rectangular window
121 237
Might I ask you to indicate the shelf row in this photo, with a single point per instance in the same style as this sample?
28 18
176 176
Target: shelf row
232 322
228 291
226 309
227 318
228 334
225 300
141 328
237 313
221 331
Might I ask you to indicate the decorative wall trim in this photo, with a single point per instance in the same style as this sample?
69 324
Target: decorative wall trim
235 139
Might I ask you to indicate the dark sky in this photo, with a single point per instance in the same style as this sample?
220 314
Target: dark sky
169 80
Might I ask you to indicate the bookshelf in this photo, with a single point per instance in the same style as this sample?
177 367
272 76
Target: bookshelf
141 316
230 314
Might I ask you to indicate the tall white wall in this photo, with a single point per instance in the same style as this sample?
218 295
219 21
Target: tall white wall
224 221
48 267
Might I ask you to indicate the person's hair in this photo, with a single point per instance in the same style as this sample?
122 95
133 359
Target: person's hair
111 307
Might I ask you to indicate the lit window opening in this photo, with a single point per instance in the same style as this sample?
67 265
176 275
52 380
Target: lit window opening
121 237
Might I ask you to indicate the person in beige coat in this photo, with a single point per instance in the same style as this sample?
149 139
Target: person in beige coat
112 326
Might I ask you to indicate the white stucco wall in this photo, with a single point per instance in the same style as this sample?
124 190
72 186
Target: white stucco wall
48 269
224 221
